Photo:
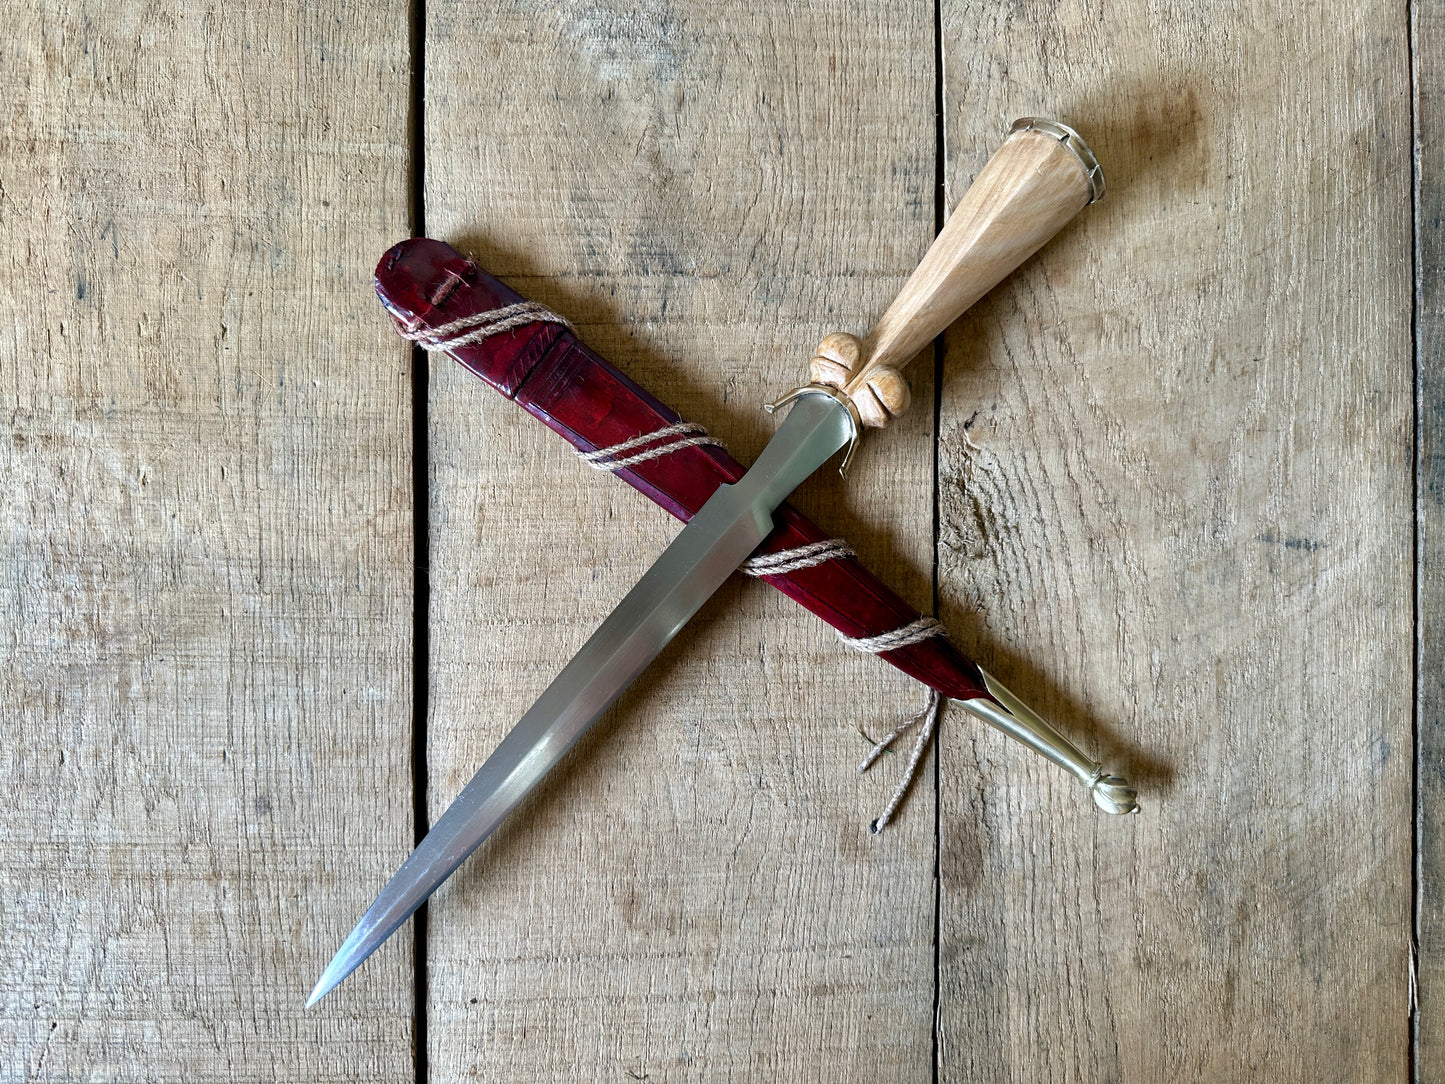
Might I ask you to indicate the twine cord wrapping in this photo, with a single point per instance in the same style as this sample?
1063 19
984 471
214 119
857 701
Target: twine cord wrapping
923 628
912 633
676 437
783 561
467 330
483 325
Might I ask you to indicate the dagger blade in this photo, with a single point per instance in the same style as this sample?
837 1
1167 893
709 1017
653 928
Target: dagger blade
709 549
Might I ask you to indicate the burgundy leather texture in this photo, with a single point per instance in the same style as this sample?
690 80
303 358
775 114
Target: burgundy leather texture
552 375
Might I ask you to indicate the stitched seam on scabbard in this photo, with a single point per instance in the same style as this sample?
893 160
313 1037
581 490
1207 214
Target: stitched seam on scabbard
912 633
814 553
604 458
483 325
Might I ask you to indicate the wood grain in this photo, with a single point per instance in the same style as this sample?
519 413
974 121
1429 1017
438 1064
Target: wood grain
1429 47
1027 191
1176 517
205 548
1175 514
696 895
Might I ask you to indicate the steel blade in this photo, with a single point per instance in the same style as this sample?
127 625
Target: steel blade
707 550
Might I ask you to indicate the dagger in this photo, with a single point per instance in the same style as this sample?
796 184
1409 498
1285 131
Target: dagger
1041 176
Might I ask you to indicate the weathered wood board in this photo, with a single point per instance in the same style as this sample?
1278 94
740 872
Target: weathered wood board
705 190
1428 42
205 544
1175 511
1175 496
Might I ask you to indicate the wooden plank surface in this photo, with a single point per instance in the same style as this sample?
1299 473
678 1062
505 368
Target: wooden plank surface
205 565
705 190
1176 516
1429 48
1174 513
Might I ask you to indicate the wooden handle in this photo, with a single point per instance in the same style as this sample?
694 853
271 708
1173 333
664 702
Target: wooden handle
1040 178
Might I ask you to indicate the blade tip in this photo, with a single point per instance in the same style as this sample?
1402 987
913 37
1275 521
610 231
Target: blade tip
330 979
321 990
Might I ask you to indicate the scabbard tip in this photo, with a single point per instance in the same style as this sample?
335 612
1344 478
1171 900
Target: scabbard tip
1114 795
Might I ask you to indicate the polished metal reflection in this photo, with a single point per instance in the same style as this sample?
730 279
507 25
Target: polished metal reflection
1020 722
1075 142
712 545
838 396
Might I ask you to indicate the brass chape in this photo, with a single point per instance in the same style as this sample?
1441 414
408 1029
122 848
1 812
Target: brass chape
1020 722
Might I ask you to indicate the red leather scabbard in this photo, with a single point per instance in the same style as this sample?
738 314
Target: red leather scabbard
552 375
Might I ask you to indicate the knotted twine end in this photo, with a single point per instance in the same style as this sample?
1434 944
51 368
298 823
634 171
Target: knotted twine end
928 718
914 632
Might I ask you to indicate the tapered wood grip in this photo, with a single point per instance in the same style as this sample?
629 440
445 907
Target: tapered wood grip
1040 178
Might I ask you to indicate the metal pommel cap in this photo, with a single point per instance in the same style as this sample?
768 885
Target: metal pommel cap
1072 140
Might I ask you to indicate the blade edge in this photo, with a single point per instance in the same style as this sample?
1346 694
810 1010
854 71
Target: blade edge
699 560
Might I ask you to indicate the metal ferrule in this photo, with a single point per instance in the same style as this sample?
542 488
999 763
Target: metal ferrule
838 397
1023 724
1075 142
